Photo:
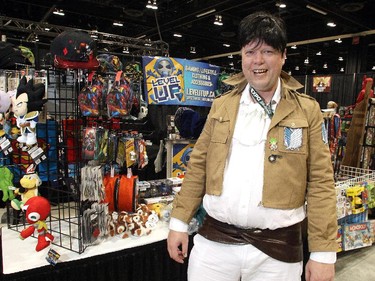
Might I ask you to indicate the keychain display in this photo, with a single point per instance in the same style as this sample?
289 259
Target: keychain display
88 143
92 188
94 224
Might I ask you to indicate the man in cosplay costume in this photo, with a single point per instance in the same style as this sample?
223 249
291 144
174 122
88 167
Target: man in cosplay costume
260 167
27 103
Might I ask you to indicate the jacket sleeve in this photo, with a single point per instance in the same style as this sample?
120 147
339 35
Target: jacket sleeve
188 200
321 194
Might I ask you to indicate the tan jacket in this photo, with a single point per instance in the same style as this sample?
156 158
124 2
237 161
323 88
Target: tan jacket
296 177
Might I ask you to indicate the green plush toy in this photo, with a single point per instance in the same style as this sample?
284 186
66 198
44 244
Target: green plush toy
6 181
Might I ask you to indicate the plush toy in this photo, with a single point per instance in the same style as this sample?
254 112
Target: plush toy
142 221
26 106
137 224
29 188
5 102
37 210
6 181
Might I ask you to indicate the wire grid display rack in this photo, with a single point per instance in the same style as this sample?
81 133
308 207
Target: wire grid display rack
350 177
60 175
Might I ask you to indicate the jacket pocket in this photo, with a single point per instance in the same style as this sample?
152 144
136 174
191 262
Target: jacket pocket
293 136
220 130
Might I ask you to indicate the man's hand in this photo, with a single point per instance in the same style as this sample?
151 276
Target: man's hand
316 271
176 240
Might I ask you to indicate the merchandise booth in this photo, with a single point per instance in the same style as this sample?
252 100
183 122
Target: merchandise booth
106 150
99 158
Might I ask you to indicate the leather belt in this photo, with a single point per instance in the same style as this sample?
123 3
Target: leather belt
284 244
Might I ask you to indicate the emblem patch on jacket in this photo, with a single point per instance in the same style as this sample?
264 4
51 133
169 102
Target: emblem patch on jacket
324 134
292 138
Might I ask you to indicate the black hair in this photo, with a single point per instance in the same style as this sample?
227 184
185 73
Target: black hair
263 27
35 94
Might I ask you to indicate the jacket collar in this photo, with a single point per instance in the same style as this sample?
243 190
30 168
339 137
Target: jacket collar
285 106
239 81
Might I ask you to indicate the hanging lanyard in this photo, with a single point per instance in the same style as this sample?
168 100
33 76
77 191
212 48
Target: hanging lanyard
267 107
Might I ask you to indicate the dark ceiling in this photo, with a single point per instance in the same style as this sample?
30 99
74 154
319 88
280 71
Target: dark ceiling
308 29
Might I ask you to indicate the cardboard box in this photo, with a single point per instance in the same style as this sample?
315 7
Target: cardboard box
356 235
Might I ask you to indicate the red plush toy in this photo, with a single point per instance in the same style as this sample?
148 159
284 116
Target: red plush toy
361 94
37 210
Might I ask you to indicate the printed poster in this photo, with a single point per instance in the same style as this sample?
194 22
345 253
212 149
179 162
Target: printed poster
173 81
180 158
322 84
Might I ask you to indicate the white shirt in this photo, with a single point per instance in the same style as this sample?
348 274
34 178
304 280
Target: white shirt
240 201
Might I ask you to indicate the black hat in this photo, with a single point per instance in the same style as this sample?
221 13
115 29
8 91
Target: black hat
74 49
74 45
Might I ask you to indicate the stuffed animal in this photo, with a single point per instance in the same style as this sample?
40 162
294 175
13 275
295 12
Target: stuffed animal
137 224
37 210
142 221
6 182
29 188
5 102
26 106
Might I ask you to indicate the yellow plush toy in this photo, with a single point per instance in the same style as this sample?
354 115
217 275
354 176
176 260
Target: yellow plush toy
29 188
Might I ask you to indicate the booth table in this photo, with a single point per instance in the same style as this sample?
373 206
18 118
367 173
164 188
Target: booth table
130 259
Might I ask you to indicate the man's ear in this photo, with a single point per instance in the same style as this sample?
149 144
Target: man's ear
284 56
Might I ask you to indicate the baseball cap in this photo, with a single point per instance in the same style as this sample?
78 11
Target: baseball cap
74 49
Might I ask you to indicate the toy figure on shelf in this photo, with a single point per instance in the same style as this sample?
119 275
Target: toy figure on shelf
361 94
334 127
27 103
29 188
37 210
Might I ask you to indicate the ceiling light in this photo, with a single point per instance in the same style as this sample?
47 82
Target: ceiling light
297 67
340 58
313 71
331 24
125 50
47 28
59 12
230 56
373 68
294 47
342 69
338 40
316 10
226 45
218 20
36 38
206 13
319 53
152 5
117 23
192 50
231 63
306 61
177 35
325 65
281 5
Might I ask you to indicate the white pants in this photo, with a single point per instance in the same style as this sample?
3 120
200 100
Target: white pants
212 261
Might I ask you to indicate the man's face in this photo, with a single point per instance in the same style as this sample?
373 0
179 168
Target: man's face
261 65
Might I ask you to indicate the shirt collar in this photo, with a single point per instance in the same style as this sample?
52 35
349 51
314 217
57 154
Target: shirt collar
246 99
